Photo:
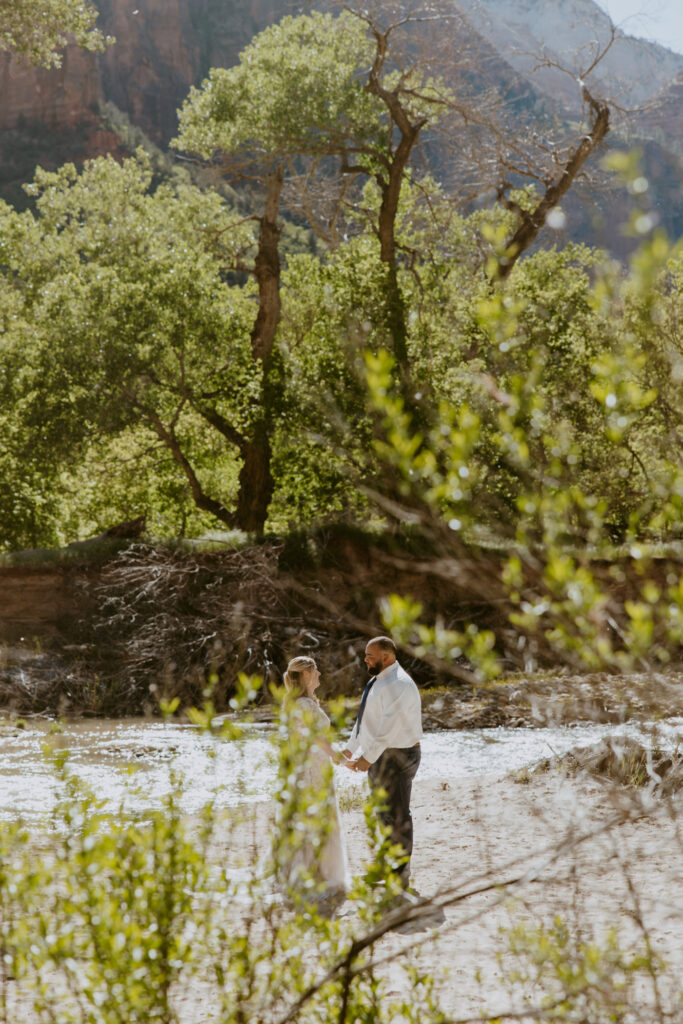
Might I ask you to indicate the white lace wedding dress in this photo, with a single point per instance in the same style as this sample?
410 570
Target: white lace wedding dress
329 865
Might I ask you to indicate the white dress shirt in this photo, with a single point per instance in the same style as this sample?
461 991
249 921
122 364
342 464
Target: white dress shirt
392 715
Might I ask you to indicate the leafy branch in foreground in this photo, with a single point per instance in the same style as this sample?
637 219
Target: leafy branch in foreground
580 576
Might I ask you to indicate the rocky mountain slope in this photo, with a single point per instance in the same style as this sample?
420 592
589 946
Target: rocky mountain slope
662 118
644 80
572 33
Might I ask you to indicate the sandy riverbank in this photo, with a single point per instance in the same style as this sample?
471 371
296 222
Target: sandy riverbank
600 858
625 875
487 830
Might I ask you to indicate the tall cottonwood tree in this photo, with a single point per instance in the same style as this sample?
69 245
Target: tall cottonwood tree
294 93
310 93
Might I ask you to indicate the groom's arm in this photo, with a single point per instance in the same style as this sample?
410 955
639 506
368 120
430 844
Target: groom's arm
399 709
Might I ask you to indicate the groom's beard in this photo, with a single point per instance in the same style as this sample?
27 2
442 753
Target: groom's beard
374 668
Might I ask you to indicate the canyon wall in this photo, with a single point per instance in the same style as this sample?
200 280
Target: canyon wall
162 48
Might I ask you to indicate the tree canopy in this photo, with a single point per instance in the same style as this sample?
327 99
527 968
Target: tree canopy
132 324
296 91
40 31
177 334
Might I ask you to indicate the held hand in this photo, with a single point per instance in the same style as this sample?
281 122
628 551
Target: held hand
359 765
344 758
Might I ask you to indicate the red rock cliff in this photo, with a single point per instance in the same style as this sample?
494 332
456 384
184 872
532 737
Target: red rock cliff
58 98
162 48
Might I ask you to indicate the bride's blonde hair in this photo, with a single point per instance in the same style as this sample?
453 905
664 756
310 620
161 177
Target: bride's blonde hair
294 676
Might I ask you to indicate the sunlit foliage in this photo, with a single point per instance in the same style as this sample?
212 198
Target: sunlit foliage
40 31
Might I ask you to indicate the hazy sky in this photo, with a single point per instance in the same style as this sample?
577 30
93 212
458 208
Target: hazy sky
659 20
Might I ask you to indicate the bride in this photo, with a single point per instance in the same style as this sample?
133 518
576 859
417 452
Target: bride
326 864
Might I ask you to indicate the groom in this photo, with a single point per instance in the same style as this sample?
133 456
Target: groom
385 740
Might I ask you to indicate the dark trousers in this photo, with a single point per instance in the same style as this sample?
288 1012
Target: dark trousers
394 771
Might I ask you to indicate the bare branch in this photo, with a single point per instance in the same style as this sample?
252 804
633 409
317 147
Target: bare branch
532 221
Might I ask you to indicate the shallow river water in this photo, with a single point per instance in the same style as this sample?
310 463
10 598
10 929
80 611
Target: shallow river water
103 752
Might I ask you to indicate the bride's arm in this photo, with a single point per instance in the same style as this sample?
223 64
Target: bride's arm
325 744
322 741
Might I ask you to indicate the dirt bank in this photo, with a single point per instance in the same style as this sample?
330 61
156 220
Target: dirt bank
111 631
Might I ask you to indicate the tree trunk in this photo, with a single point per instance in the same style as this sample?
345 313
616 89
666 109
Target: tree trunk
256 479
394 314
256 482
201 499
394 302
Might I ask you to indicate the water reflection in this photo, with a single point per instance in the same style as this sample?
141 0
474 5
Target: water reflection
104 753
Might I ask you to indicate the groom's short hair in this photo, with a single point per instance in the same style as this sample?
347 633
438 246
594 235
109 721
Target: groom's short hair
385 643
